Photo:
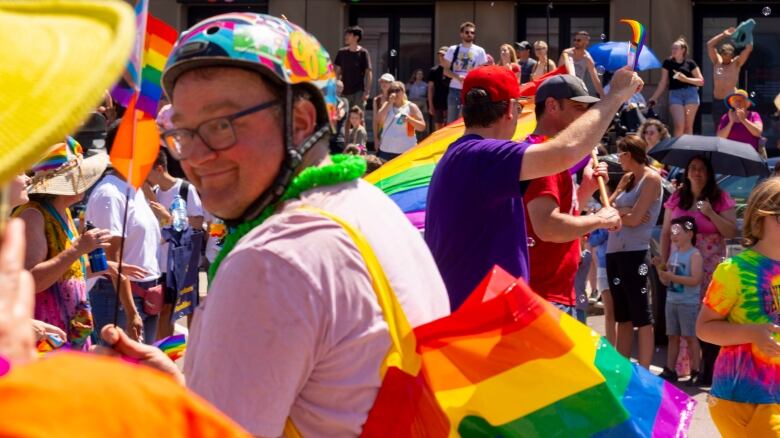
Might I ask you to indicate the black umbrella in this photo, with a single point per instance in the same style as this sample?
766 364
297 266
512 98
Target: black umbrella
728 157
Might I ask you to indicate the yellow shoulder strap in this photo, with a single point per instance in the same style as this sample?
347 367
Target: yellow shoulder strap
402 353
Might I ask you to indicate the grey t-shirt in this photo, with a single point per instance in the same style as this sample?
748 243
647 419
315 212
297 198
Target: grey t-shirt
633 238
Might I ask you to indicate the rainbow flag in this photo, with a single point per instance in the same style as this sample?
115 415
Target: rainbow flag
406 178
507 363
637 41
173 346
146 65
55 158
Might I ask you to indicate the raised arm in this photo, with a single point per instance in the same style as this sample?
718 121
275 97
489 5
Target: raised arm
577 140
712 50
744 55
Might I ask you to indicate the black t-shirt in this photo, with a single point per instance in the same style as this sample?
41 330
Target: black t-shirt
353 68
441 87
686 67
526 68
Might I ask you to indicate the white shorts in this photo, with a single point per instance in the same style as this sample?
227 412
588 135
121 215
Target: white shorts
601 279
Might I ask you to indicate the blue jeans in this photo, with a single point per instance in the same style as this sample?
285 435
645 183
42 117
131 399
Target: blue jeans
453 105
103 298
573 311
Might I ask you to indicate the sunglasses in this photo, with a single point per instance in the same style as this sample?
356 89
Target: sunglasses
394 90
577 40
469 32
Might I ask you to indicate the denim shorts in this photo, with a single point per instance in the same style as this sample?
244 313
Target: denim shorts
103 298
684 96
681 319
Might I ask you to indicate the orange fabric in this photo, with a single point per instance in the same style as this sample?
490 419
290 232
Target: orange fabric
72 394
135 146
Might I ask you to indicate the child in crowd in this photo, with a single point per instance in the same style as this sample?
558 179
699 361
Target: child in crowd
682 278
357 130
741 313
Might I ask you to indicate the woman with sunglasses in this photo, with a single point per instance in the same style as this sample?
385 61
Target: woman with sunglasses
543 63
638 199
401 119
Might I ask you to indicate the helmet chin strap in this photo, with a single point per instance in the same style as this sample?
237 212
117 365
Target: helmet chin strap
293 158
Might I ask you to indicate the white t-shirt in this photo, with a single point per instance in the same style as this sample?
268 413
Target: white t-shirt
468 59
106 208
315 336
194 208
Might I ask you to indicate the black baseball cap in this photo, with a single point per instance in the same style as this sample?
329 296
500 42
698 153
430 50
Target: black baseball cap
523 45
564 87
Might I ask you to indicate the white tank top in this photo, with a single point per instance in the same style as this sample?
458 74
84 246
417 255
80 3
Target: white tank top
396 138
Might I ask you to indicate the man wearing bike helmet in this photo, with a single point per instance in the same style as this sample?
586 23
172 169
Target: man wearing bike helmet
292 328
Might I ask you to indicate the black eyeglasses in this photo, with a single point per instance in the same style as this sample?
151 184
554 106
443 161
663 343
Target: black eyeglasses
469 32
217 134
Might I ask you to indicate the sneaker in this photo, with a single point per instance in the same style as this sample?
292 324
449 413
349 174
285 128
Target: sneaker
694 376
669 375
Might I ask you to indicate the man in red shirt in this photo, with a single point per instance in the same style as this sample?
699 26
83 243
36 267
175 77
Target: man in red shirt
553 220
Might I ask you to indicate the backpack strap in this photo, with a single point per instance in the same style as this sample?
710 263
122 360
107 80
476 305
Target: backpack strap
402 352
184 190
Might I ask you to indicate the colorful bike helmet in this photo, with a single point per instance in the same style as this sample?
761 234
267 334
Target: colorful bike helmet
282 53
279 50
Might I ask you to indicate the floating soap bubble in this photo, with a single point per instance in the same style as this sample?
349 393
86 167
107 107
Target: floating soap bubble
643 269
600 69
644 290
719 71
699 204
616 281
531 242
722 259
603 37
752 94
767 11
393 52
492 4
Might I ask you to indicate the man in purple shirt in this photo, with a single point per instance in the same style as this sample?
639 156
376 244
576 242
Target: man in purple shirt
475 217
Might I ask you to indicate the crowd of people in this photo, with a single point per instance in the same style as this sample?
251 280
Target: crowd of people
310 242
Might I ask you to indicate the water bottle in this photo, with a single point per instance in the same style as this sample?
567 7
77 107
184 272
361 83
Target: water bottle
179 214
97 258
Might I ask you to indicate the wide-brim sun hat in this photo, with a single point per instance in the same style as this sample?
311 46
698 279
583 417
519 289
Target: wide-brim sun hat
729 100
65 171
59 57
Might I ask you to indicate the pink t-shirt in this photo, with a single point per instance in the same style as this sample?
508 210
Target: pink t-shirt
739 132
292 327
703 224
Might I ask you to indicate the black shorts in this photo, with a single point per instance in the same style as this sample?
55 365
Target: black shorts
169 293
627 274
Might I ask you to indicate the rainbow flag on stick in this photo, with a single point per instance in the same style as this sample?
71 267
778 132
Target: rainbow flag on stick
637 42
507 363
137 141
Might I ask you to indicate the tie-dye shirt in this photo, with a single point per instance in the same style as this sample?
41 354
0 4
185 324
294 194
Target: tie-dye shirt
746 290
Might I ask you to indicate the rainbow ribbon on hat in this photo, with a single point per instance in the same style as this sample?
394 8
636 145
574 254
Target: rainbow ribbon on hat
59 155
173 346
637 42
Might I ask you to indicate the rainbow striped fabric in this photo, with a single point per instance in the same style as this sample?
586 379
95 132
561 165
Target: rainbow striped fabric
173 346
507 363
638 35
146 65
406 178
58 155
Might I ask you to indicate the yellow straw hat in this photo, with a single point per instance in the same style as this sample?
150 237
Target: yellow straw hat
59 57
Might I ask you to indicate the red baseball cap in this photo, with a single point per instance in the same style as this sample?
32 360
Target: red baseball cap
498 81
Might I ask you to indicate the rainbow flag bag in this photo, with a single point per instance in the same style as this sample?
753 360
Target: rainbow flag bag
507 363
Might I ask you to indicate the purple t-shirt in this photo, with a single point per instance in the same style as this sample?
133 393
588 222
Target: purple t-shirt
475 217
739 132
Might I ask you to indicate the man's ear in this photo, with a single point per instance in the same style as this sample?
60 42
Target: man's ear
304 120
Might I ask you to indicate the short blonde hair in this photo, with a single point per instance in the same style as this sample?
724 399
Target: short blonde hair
763 202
